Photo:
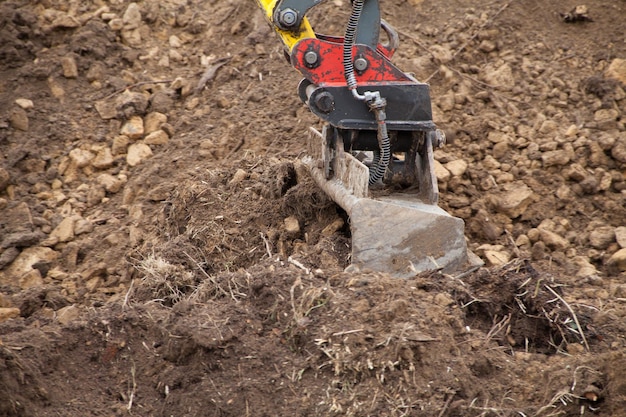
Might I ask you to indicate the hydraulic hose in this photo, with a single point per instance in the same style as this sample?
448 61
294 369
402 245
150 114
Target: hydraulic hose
373 99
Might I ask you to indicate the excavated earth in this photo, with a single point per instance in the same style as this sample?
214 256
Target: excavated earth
163 251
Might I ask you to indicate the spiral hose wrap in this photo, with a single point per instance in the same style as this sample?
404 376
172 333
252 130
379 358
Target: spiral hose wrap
373 99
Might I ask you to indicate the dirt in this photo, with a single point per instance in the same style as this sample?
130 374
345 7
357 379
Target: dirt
160 273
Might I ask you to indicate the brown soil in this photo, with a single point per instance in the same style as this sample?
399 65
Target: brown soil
170 286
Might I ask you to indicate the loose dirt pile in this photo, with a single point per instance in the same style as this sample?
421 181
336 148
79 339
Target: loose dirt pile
164 252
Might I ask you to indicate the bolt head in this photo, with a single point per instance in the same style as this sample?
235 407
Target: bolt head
288 17
360 64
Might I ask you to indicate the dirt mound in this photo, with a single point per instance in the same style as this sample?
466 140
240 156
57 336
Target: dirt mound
164 252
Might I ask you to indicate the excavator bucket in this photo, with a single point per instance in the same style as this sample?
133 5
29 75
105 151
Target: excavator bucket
397 233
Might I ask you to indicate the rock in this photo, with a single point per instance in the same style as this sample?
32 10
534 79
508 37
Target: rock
618 151
70 69
116 24
129 104
7 256
110 183
133 128
81 157
21 239
96 72
494 255
65 21
18 119
585 268
19 216
457 167
120 144
103 159
132 37
617 70
238 177
82 226
555 158
24 103
620 236
23 265
64 232
157 137
67 314
137 152
601 237
7 313
500 76
132 17
161 102
553 240
441 172
333 227
292 225
606 118
514 202
5 179
153 121
617 261
106 109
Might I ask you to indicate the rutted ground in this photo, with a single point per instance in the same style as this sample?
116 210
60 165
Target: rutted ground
163 252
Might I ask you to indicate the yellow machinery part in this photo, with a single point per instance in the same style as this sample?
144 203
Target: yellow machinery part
288 38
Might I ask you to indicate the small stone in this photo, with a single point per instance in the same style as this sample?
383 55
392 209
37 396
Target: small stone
18 119
617 261
153 121
514 202
129 104
67 314
161 102
70 69
120 143
110 183
81 157
137 152
555 158
157 137
500 76
495 255
103 159
64 232
239 176
175 41
7 313
585 268
23 264
441 172
25 103
457 167
620 235
442 299
65 21
132 17
618 151
487 46
292 225
606 118
617 70
601 237
82 226
133 128
116 24
553 240
5 179
333 227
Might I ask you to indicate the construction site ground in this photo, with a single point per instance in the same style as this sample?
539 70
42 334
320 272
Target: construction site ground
163 251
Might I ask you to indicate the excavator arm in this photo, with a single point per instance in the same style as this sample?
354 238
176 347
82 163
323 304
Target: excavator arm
379 134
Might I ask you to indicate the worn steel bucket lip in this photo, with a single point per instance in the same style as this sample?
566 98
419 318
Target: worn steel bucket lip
397 234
